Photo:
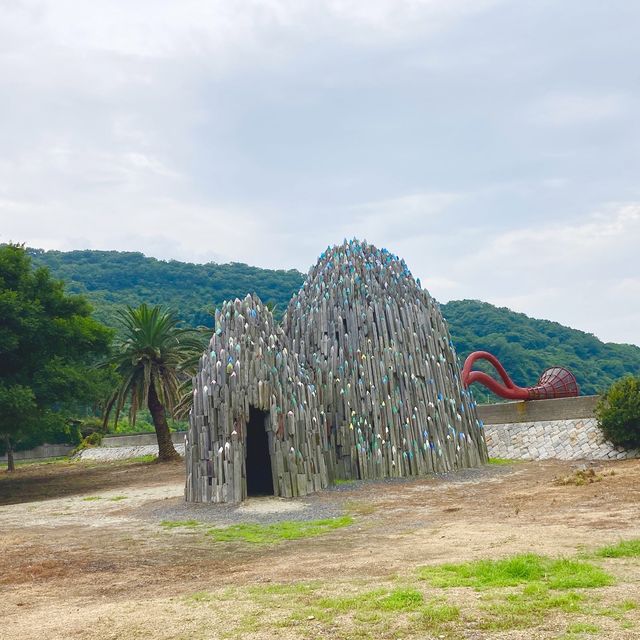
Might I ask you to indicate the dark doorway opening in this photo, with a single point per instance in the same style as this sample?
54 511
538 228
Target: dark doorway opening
258 463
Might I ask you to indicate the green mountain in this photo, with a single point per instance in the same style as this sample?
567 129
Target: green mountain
525 346
112 279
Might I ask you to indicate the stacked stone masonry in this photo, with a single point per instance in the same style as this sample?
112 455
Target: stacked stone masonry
578 439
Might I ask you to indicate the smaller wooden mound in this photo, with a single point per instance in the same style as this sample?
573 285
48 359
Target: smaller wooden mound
246 369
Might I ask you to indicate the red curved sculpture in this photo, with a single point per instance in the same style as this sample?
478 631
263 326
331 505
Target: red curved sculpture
556 382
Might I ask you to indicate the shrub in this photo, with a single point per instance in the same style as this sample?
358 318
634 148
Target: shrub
91 425
92 440
618 412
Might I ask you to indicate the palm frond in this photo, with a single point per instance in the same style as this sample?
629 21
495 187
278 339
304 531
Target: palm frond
156 350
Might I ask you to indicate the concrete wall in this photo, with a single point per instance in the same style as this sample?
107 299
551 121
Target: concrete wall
43 451
565 429
56 450
538 410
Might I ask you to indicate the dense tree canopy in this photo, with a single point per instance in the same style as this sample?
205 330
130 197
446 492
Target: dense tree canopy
48 342
524 345
112 280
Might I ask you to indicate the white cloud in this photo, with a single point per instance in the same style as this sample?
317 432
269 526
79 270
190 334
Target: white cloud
166 29
393 219
475 137
553 245
561 110
157 226
582 274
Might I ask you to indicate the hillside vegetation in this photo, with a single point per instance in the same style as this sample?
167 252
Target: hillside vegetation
111 279
527 346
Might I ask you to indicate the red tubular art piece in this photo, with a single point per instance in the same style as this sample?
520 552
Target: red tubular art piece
555 382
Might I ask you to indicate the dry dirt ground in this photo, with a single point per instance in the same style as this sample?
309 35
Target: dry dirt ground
83 554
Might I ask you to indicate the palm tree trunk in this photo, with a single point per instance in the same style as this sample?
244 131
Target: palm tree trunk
166 450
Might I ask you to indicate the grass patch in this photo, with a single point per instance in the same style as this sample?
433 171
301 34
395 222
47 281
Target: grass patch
517 570
527 608
307 614
402 599
340 481
582 627
276 532
377 613
43 461
367 617
522 592
617 610
502 461
434 614
150 457
313 610
576 574
248 623
91 498
293 589
623 549
175 524
118 498
200 596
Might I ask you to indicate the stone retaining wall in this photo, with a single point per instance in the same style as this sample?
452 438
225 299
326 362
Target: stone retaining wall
564 429
123 452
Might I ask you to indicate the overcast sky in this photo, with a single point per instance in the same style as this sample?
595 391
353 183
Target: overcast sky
493 145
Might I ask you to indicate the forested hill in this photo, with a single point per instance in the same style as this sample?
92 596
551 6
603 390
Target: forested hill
112 279
526 346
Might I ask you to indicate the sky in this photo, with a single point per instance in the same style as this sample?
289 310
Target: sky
495 145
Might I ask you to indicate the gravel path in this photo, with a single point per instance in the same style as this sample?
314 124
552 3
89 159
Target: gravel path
260 510
330 503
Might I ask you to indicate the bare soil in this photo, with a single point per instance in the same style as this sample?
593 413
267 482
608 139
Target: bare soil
83 553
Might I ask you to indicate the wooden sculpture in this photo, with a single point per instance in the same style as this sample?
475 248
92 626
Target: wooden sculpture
360 381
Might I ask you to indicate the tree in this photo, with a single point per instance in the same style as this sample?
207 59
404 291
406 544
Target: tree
153 358
618 412
48 341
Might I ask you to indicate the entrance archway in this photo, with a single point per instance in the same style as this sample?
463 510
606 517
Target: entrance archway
258 462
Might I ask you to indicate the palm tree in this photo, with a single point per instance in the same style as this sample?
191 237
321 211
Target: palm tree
153 358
